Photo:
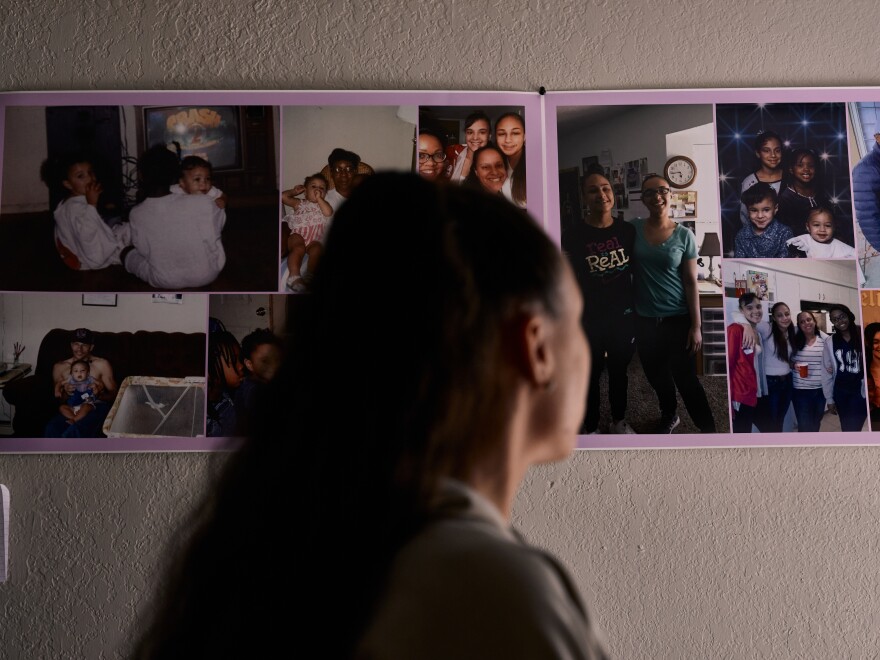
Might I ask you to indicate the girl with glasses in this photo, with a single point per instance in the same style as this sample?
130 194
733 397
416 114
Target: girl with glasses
668 325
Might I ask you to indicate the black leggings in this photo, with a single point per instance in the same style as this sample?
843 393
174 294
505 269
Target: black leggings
612 344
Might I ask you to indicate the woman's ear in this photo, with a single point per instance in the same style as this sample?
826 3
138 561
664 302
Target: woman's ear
534 334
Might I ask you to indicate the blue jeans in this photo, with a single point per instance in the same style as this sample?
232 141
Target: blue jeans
809 406
89 426
774 405
851 406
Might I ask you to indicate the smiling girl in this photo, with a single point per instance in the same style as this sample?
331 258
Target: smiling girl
768 152
669 326
600 250
489 171
802 191
476 133
748 384
811 374
510 136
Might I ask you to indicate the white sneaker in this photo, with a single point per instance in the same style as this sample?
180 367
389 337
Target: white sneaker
622 427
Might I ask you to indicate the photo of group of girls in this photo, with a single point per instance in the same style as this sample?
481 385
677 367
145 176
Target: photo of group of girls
479 147
138 198
328 151
646 288
784 181
795 346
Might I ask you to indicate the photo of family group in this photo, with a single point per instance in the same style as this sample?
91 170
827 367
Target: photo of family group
96 365
139 198
641 247
784 181
483 148
795 346
328 151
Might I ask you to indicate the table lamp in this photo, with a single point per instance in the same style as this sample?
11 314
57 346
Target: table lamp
711 247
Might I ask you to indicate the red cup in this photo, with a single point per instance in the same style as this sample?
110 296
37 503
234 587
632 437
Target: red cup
803 369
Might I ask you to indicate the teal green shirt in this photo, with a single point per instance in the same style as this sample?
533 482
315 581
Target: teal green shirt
658 282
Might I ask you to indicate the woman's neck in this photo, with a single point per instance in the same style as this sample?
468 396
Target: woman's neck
513 160
765 174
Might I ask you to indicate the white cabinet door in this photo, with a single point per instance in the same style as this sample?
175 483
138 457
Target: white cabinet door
788 291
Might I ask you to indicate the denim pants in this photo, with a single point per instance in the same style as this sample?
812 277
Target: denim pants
774 405
851 406
809 406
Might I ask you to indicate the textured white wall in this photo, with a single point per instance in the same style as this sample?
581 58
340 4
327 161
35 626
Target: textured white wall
684 554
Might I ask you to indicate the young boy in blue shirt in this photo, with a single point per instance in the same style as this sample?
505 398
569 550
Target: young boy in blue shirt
764 236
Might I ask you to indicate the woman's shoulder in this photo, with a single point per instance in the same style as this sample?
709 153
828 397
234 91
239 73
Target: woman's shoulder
502 596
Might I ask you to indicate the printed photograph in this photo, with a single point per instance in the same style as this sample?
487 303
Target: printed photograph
247 336
784 181
479 147
135 198
102 365
328 151
646 257
795 354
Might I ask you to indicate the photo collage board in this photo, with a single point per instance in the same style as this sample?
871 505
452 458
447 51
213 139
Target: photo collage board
159 245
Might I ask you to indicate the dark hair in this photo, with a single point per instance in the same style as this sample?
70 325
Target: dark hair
651 175
476 116
159 169
763 137
822 208
595 168
192 162
757 193
222 345
54 171
870 330
433 134
258 337
314 177
800 339
793 158
855 332
468 265
746 298
471 181
339 154
85 362
782 339
518 176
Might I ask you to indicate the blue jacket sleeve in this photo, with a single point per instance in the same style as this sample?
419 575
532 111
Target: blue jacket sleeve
866 187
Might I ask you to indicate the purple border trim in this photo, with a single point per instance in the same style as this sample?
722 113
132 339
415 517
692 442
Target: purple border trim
543 194
729 441
113 445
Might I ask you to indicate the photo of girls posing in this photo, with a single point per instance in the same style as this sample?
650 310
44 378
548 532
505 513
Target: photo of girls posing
784 181
795 370
639 284
482 148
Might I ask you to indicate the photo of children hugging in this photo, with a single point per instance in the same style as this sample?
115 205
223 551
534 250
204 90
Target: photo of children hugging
479 147
91 204
783 170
